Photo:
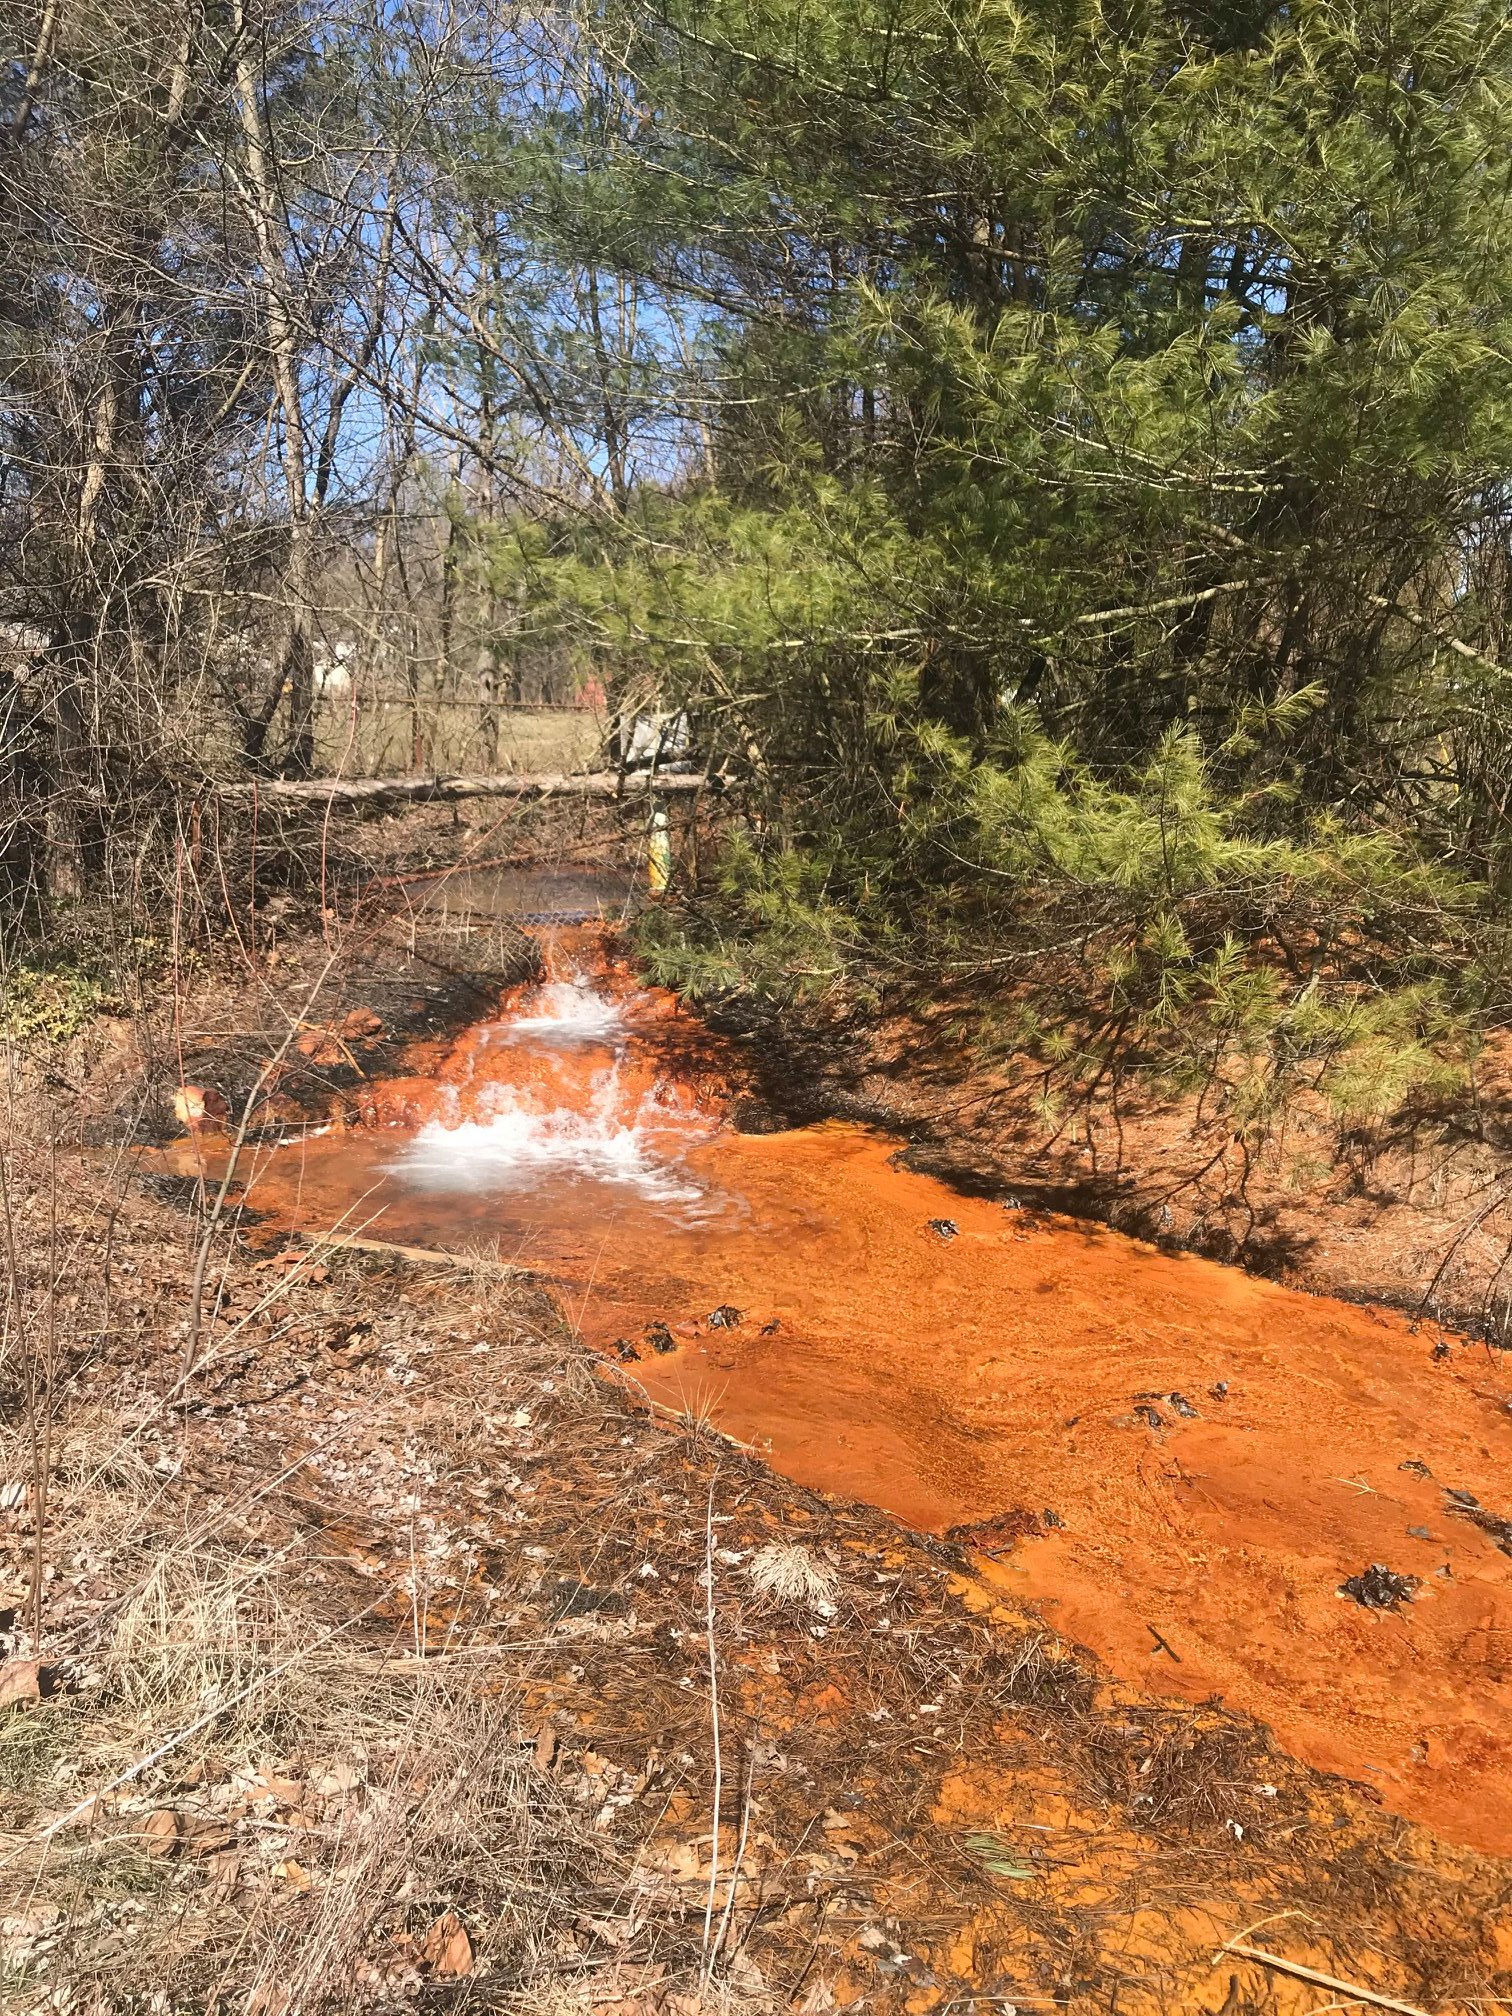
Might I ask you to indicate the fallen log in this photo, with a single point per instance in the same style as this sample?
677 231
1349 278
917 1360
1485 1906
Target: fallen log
430 790
337 1241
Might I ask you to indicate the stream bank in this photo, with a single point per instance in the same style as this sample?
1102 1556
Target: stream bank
1188 1468
957 1802
941 1799
1412 1212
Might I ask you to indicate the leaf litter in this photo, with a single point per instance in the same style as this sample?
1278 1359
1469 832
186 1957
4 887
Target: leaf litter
421 1783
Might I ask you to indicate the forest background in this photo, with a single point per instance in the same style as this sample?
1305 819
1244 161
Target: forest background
1055 456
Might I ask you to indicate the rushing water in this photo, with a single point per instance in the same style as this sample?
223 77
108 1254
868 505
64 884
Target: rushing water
1181 1463
526 1130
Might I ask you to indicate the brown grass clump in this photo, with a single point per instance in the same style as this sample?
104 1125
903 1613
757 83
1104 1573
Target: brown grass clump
301 1844
241 1780
787 1573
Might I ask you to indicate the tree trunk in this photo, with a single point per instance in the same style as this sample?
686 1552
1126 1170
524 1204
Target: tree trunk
298 664
488 717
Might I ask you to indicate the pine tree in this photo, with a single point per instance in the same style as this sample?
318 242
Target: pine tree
1106 522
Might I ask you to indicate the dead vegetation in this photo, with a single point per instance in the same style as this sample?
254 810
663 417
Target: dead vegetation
380 1665
396 1658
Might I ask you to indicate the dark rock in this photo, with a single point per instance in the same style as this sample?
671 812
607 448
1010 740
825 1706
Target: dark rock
945 1228
660 1338
726 1317
1380 1588
1465 1505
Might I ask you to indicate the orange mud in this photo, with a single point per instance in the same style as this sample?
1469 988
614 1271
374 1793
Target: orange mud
995 1373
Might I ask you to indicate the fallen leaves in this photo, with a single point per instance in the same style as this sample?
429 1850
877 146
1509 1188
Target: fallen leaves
844 1834
279 1791
23 1933
166 1829
20 1683
343 1777
225 1873
160 1832
819 2001
332 1042
444 1952
545 1747
204 1836
446 1948
678 1872
196 1106
296 1260
676 1862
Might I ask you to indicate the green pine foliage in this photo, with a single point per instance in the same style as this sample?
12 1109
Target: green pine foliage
1097 579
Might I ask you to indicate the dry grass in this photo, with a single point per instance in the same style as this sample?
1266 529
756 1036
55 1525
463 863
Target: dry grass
247 1785
784 1572
385 1647
289 1843
379 743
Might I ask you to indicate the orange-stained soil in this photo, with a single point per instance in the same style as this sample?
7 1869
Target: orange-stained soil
966 1365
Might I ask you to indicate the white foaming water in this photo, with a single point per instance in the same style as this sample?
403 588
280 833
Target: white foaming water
522 1143
566 1013
515 1149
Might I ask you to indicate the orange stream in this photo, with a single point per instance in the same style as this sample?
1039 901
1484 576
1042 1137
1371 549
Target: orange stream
955 1379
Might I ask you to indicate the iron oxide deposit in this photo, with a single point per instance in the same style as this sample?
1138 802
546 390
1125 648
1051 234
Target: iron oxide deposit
1185 1466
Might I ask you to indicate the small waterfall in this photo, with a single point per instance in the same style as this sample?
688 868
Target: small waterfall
560 1090
565 1013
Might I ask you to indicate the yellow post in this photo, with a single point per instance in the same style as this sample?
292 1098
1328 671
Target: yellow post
659 854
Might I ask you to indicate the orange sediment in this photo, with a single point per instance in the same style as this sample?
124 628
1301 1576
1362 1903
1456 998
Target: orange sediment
1182 1464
